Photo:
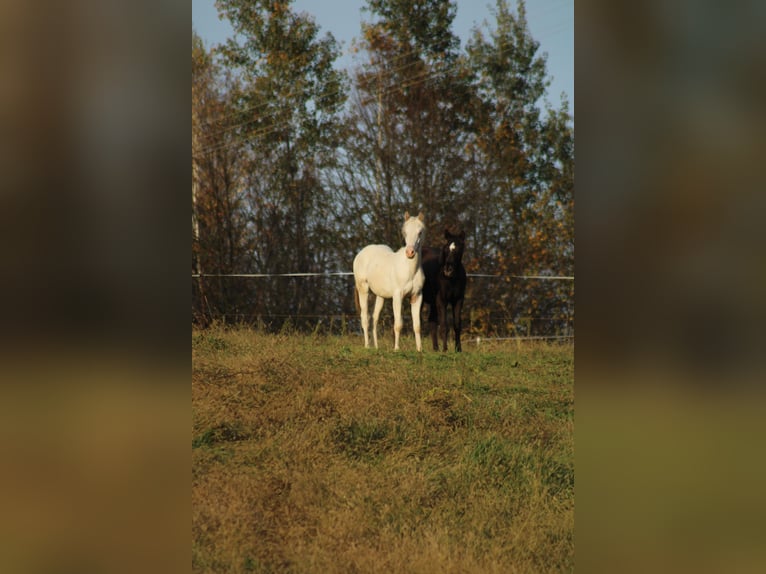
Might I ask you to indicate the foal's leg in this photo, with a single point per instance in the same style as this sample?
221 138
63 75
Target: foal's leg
442 308
433 324
375 314
362 290
416 301
457 324
397 318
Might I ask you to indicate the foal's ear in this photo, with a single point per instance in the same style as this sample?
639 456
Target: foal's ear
406 215
421 217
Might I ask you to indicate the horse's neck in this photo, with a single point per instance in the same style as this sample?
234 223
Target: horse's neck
413 263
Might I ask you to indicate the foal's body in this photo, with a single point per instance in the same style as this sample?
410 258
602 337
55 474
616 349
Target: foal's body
445 285
392 275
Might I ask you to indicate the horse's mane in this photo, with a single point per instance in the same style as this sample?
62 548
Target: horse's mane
454 228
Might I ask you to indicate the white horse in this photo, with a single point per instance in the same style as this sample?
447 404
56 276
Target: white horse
394 276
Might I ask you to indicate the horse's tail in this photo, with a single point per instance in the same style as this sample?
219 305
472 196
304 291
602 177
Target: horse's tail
356 299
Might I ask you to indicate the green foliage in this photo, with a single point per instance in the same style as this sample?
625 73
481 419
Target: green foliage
291 90
422 26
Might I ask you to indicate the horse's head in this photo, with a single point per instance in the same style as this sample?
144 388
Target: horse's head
452 251
414 231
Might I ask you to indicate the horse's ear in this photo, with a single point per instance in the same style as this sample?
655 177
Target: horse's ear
421 217
406 215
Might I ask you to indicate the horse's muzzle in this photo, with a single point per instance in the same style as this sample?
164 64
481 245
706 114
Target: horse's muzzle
448 270
409 252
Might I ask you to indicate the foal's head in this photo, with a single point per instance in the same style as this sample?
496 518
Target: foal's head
452 251
414 231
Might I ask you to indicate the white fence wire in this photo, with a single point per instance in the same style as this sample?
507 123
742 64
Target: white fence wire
345 273
345 318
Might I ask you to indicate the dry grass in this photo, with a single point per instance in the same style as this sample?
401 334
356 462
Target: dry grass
312 454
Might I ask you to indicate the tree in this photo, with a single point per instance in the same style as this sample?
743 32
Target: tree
219 231
522 163
406 120
288 109
285 181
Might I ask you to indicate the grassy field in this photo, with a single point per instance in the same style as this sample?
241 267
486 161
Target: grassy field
313 454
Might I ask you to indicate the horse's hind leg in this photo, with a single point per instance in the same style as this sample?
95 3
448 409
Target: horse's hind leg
362 292
375 314
457 308
433 325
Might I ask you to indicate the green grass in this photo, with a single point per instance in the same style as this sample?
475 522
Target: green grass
313 454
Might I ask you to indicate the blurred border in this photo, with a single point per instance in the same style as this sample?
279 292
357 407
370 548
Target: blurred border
94 144
94 141
670 268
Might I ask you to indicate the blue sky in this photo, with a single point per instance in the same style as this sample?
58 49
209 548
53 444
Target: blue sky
550 21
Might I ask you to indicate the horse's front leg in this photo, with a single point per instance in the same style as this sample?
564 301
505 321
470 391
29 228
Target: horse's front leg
441 306
457 324
375 314
416 301
397 318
